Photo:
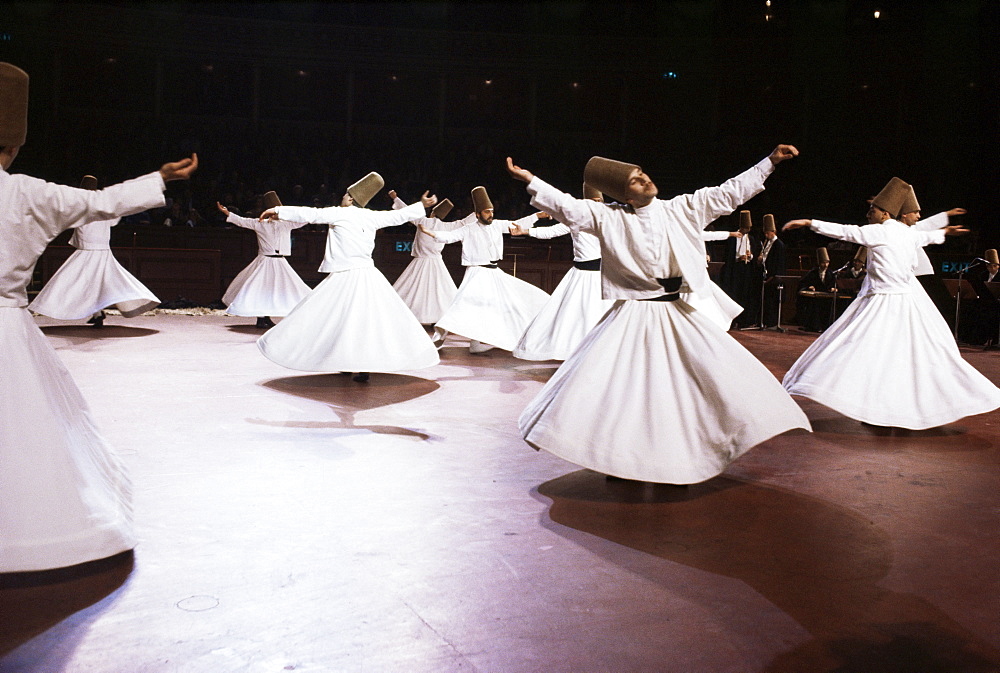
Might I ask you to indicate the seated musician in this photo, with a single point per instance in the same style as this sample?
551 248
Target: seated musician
814 304
980 319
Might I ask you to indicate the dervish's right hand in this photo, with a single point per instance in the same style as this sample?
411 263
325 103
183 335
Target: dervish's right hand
428 199
222 209
518 173
179 170
956 211
782 152
796 224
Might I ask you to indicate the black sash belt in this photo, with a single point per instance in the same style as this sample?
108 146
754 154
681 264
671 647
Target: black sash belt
589 265
491 265
274 255
671 286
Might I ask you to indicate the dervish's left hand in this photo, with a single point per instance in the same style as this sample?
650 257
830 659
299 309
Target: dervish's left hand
955 230
782 152
428 199
956 211
519 173
269 214
222 209
517 230
179 170
796 224
392 194
735 234
542 215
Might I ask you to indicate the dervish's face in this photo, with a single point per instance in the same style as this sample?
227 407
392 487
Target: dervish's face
857 264
909 219
348 200
770 234
994 268
641 190
485 216
876 215
824 266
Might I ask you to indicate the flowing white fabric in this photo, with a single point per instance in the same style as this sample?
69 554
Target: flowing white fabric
427 288
890 359
493 307
66 495
650 395
90 281
569 314
352 322
268 286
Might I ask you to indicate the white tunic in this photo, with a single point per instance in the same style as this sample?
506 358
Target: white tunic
353 321
91 279
426 285
491 306
932 223
268 286
656 391
66 497
574 307
890 359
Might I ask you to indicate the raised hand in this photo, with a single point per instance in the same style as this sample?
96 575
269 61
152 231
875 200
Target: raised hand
518 173
782 152
428 199
179 170
222 209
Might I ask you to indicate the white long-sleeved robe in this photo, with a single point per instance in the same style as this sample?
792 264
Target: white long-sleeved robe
91 279
268 286
66 496
890 359
353 321
656 391
491 306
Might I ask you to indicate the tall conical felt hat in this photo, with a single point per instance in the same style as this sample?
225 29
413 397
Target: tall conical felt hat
769 223
991 256
910 204
609 176
592 193
861 254
481 200
892 196
271 200
822 255
364 189
746 224
13 105
442 209
88 182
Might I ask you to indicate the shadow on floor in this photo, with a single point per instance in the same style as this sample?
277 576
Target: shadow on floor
819 563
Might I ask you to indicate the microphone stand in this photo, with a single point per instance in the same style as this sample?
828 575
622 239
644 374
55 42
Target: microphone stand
958 295
759 327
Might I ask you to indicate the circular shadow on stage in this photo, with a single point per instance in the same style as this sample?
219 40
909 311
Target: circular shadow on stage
822 564
945 441
34 602
81 333
347 397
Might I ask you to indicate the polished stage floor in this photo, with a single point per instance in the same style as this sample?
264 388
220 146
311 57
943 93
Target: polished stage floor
304 522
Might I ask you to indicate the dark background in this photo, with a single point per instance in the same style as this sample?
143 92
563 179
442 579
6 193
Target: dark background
434 95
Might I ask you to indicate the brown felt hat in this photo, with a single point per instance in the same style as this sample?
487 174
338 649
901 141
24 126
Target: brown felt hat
442 209
991 256
892 196
271 200
364 189
88 182
481 200
861 254
910 204
746 223
13 105
822 255
609 177
592 193
769 223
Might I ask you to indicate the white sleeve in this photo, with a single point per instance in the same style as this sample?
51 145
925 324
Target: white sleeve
549 232
715 235
577 214
939 221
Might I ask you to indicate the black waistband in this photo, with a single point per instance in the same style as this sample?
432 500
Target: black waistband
671 286
491 265
589 265
274 255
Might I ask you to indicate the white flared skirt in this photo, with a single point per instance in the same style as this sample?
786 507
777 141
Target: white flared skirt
352 322
65 497
427 288
890 360
568 315
720 308
657 392
267 287
90 281
493 307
